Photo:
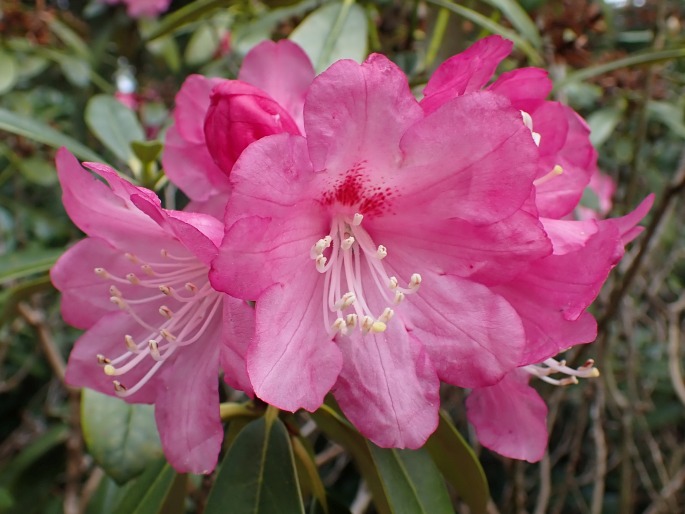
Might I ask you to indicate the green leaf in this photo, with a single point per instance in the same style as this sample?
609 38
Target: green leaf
334 31
669 114
183 16
650 57
257 475
411 480
25 263
122 438
459 465
519 18
602 124
38 171
202 45
114 124
152 492
10 297
147 151
494 27
32 129
308 472
9 71
335 426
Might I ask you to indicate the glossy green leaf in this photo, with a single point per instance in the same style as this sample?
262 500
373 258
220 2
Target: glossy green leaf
114 124
147 151
602 124
257 475
334 31
25 263
519 18
122 438
32 129
411 480
459 465
9 71
38 171
494 27
335 426
669 114
308 472
153 492
650 57
202 45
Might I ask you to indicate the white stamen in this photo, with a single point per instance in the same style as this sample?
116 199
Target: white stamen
190 287
344 302
154 350
119 302
101 272
387 315
321 263
381 252
393 283
166 290
132 258
351 320
347 243
399 297
357 219
556 171
147 269
167 335
339 325
114 291
415 281
133 279
166 312
102 360
131 344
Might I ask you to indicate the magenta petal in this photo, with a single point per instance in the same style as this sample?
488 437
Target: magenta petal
626 225
98 210
85 296
388 387
240 114
510 418
187 406
481 169
569 235
526 88
292 362
283 71
191 167
465 72
472 335
239 327
106 338
358 113
192 102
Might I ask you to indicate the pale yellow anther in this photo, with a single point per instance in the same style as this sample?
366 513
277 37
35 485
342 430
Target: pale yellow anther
393 283
133 279
347 243
347 300
166 290
166 312
132 258
387 315
130 343
114 291
101 272
381 252
102 360
190 287
415 281
320 263
119 387
167 335
119 302
367 323
378 326
339 325
110 370
147 269
399 297
154 349
351 320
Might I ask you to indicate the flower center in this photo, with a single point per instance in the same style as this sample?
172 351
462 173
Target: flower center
171 281
353 263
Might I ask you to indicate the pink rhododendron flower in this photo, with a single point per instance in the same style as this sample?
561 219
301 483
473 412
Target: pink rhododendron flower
267 98
138 285
142 8
552 295
372 246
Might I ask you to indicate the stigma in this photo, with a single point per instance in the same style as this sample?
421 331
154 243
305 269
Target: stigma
172 302
355 273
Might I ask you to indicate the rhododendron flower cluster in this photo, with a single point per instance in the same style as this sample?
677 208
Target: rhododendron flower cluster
389 244
142 8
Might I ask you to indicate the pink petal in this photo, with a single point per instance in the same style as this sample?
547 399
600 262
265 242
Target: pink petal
238 115
465 72
239 327
626 225
191 167
526 88
273 179
472 335
569 235
388 388
292 362
358 113
187 405
510 418
192 103
480 170
106 337
146 8
85 296
98 210
283 71
487 253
